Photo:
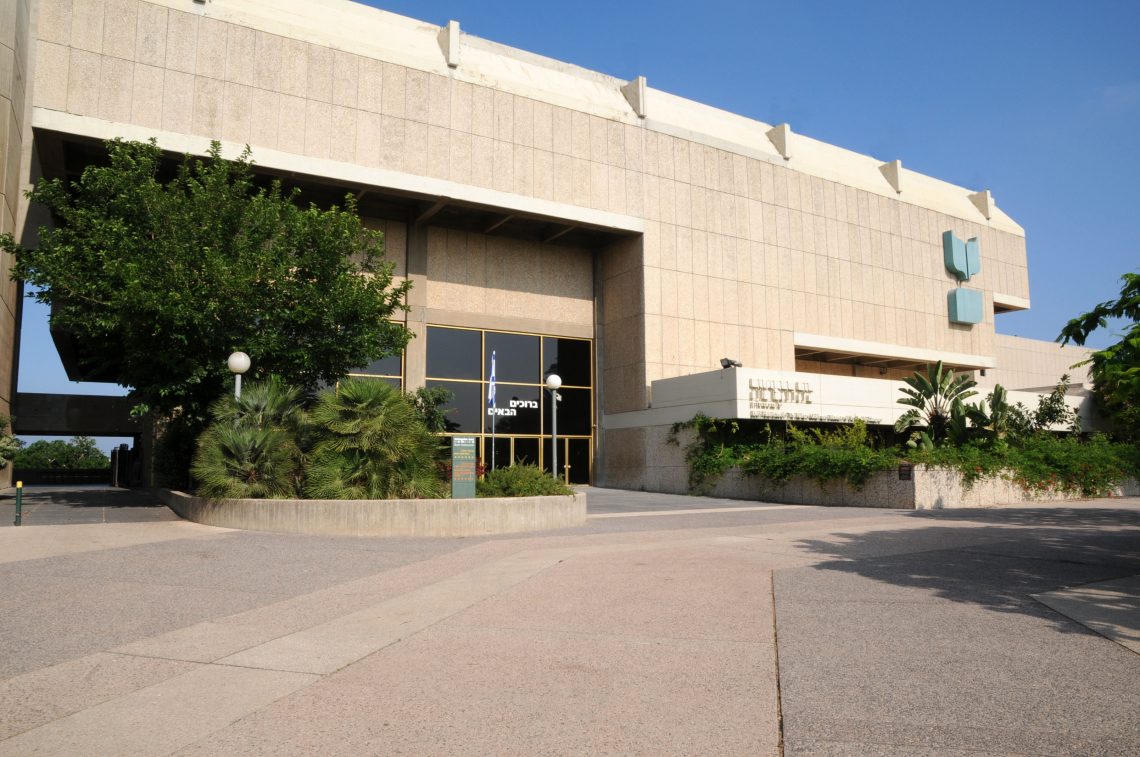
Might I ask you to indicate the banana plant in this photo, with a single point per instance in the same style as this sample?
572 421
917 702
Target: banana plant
936 399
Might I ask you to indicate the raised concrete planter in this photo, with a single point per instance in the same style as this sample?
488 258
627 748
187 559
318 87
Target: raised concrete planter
392 517
928 489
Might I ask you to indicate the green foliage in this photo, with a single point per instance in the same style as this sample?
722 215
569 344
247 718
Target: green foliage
520 481
936 402
429 403
159 277
1116 368
9 445
370 443
251 449
78 454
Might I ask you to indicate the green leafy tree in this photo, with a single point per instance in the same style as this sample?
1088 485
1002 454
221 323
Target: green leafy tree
1115 369
936 399
370 443
160 271
78 454
9 445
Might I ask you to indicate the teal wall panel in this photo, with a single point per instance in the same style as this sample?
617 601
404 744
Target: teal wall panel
965 305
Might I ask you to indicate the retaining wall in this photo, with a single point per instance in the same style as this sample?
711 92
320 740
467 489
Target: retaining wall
394 517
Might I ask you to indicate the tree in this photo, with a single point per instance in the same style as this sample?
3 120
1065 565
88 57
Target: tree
936 399
159 272
78 454
1116 368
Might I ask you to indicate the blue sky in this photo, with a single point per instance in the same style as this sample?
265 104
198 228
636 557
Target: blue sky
1037 101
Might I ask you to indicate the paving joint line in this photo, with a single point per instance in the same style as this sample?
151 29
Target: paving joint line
776 658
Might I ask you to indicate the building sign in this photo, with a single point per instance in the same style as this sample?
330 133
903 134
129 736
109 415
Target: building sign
463 459
786 400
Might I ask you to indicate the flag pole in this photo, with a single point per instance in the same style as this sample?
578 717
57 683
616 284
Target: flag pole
494 408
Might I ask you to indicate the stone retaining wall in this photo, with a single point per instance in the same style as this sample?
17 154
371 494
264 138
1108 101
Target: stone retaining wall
395 517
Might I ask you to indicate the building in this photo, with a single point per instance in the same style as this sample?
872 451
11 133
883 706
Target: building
564 219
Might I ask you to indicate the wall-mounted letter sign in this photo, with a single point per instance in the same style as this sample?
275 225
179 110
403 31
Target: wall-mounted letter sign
963 259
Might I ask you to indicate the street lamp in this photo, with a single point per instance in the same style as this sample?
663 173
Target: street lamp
238 364
553 381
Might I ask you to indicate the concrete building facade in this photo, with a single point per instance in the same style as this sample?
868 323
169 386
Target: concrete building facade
554 215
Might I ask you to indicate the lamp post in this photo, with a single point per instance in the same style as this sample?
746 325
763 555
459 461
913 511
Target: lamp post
238 364
553 381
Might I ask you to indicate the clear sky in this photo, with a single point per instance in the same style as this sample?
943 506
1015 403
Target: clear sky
1037 101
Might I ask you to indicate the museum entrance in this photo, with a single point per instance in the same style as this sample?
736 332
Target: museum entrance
518 427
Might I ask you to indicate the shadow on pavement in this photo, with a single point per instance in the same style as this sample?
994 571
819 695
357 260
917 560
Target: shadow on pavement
997 562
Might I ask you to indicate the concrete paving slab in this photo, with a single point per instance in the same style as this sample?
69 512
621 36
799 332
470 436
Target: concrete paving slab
42 542
160 718
41 696
1111 608
330 646
668 592
460 691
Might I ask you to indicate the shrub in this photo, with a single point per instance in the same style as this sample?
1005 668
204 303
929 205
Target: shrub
520 481
370 443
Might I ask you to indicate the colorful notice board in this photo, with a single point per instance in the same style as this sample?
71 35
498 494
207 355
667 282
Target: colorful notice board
463 457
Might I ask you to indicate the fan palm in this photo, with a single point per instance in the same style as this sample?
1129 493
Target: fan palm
935 399
370 443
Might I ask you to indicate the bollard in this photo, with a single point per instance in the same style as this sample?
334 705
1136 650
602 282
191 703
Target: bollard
19 502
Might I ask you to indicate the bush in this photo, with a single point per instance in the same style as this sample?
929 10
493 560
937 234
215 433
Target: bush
520 481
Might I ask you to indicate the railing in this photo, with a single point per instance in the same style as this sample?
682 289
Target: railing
62 475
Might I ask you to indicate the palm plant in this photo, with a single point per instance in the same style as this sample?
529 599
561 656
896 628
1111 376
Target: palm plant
936 402
370 443
250 449
995 419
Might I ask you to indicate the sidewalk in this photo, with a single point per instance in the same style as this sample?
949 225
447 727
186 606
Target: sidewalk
736 630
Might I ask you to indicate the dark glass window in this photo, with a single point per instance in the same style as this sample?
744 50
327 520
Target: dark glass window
519 410
516 358
385 366
464 411
453 353
569 358
502 457
526 451
573 413
579 458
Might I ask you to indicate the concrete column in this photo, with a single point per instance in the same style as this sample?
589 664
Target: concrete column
415 357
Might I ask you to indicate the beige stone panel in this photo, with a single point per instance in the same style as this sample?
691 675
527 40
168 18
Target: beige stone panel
599 185
87 25
208 103
483 112
669 294
51 75
696 172
562 130
177 101
368 139
210 56
699 218
146 100
438 152
780 185
120 23
670 340
343 147
683 203
459 156
54 21
522 121
237 109
415 148
503 166
392 142
581 182
438 101
416 95
650 141
370 85
580 135
544 174
667 156
726 175
318 129
563 178
150 34
83 78
291 130
181 41
460 105
320 74
394 91
241 51
723 301
482 161
265 116
633 138
524 170
115 89
700 299
686 342
504 114
635 194
617 185
599 139
793 180
714 260
702 347
345 79
542 125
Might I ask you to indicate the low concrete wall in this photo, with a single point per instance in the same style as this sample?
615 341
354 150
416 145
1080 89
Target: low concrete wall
928 489
394 517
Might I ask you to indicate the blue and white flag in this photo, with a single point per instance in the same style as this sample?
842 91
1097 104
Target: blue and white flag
491 386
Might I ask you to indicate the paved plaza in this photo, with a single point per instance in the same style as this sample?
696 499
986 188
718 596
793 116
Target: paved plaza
666 625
